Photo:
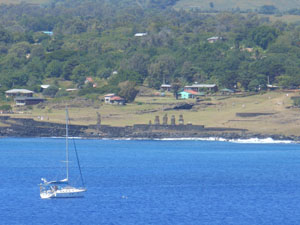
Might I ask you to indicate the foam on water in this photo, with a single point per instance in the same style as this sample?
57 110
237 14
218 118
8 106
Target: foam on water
261 141
239 140
244 141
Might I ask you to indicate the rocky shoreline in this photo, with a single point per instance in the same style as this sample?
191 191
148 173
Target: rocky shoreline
17 127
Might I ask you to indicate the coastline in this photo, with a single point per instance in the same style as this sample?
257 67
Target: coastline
17 127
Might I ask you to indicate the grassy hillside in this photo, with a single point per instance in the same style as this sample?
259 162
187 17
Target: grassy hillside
19 1
215 111
242 4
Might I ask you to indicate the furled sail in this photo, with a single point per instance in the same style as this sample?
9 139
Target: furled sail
63 181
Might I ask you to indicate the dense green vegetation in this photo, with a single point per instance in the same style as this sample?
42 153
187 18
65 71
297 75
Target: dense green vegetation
96 38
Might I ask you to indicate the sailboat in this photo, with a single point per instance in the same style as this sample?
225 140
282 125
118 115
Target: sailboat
61 188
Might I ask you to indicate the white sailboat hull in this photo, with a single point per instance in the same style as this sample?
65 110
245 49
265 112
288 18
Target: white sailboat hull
63 193
60 188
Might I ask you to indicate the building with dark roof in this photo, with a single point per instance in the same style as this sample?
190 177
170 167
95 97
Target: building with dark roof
21 101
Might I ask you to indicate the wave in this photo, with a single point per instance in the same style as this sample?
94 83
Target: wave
70 138
262 141
239 140
242 141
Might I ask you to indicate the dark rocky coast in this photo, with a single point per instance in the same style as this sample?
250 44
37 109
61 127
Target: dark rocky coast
17 127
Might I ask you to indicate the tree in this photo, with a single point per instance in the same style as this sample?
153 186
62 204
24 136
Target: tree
128 90
37 51
125 75
20 49
138 63
54 69
35 68
50 91
78 27
188 71
296 101
161 71
5 36
176 85
5 107
68 68
268 9
79 74
253 85
288 81
263 35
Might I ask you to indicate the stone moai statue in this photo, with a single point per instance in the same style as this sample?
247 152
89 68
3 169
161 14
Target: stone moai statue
156 121
173 121
98 120
181 120
165 119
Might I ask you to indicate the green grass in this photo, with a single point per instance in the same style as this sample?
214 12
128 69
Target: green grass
26 1
221 113
242 4
284 18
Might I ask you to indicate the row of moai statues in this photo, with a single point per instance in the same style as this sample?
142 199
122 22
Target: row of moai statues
165 120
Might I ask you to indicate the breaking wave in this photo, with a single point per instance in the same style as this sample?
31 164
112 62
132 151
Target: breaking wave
244 141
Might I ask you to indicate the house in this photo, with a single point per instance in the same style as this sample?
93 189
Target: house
71 89
214 39
248 49
166 87
117 100
19 92
199 87
44 87
107 97
226 91
89 80
186 94
272 87
50 33
140 34
21 101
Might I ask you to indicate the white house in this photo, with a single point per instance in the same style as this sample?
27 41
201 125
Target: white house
140 34
214 39
107 97
19 92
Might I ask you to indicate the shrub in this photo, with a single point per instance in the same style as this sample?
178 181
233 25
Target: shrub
296 101
50 91
5 107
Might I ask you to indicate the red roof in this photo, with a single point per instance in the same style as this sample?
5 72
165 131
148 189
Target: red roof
116 98
89 79
191 92
109 95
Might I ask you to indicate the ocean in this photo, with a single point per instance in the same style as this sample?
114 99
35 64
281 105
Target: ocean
153 182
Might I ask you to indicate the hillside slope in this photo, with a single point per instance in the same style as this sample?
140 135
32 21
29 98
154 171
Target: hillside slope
26 1
232 4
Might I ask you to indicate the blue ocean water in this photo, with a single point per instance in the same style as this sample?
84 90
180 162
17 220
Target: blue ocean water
153 182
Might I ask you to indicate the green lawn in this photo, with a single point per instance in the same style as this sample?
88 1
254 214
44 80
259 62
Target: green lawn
242 4
26 1
215 111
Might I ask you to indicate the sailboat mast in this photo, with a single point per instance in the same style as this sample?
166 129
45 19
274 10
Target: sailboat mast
67 143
